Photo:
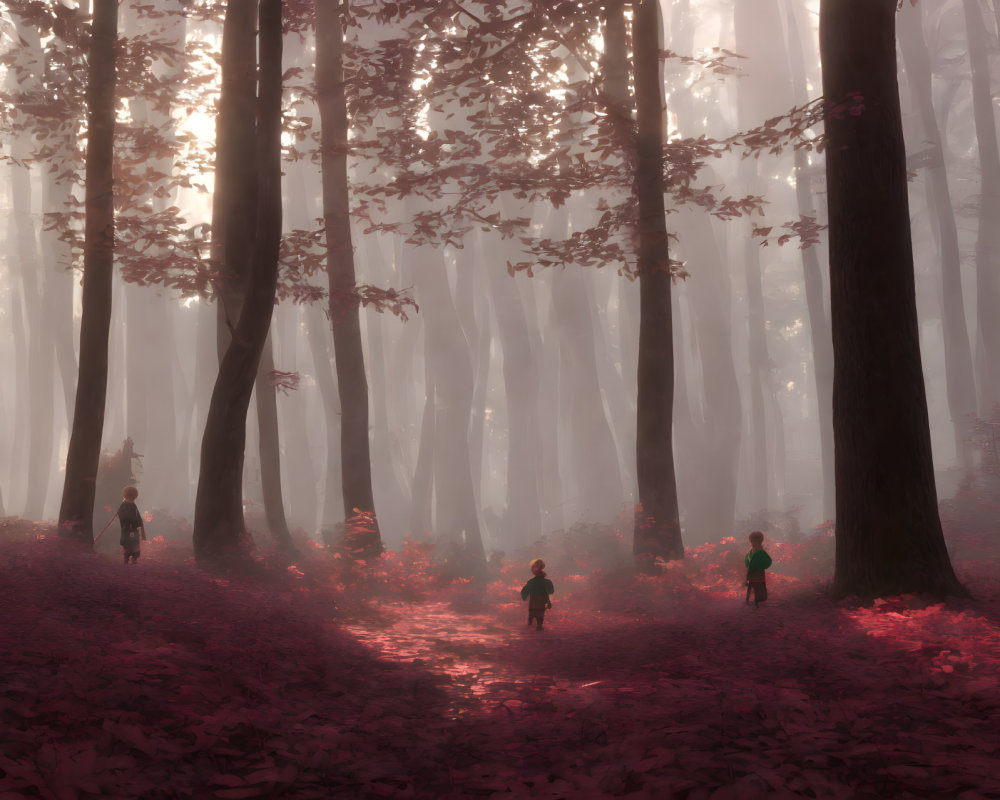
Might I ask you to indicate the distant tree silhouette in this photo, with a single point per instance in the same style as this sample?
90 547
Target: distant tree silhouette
77 506
889 537
352 382
657 525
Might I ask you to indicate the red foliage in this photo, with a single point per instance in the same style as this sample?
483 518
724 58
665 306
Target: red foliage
328 679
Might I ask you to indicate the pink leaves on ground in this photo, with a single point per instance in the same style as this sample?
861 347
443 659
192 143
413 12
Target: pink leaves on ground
163 681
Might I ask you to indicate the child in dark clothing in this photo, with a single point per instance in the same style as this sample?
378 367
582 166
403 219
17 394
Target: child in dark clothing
756 561
133 530
536 591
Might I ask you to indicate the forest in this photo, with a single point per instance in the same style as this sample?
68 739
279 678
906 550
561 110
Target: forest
326 327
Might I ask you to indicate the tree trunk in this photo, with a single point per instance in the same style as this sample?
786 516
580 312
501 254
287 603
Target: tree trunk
219 528
958 369
587 448
819 321
710 513
657 524
333 495
988 233
388 471
456 517
522 518
352 383
270 450
889 538
422 491
77 507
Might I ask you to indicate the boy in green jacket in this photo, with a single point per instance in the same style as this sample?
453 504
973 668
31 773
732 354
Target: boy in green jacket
757 561
536 591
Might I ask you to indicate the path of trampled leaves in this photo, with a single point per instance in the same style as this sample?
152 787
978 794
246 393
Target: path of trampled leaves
162 681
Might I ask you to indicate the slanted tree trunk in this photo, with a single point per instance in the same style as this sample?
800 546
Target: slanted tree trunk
77 507
219 527
657 523
958 370
352 383
889 538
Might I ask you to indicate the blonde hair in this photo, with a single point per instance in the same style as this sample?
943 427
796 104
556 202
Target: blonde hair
538 566
130 493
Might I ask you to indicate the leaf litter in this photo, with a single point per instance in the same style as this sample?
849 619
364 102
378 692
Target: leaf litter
330 679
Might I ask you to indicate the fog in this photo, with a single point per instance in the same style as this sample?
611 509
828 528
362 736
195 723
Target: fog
502 399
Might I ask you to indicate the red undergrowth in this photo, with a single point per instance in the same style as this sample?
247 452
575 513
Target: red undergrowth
331 679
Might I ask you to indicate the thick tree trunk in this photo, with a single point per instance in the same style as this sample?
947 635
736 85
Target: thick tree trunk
889 538
988 233
819 320
352 383
77 507
219 528
657 523
958 369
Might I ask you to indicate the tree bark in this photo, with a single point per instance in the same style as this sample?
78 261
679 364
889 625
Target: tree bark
710 511
219 527
889 538
352 383
657 523
77 507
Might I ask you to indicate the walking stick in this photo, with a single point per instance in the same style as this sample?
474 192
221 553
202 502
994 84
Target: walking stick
105 527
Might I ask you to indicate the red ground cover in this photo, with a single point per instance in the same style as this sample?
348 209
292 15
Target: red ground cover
324 680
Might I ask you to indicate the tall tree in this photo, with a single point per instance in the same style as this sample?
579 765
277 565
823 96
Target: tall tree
889 537
657 524
77 507
219 527
352 383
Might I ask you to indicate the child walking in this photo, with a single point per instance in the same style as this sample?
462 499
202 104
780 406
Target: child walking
133 531
536 591
757 561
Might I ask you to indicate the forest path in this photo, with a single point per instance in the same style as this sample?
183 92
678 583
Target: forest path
797 698
164 681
